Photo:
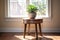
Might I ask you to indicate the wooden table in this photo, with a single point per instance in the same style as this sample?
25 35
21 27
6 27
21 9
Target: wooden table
33 21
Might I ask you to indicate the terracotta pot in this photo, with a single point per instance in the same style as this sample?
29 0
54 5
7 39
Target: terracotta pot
32 15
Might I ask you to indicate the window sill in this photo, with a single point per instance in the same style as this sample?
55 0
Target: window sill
20 18
12 19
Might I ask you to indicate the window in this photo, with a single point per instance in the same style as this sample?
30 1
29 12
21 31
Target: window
17 8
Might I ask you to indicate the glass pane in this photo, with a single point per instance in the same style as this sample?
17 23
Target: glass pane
17 8
42 6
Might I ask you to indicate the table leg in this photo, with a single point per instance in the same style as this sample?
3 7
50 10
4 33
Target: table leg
25 29
36 31
40 29
28 29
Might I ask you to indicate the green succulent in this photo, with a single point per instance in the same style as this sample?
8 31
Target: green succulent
31 8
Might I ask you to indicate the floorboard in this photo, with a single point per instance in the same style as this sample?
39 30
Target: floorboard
19 36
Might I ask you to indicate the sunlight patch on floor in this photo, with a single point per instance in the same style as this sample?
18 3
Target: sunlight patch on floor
26 37
42 37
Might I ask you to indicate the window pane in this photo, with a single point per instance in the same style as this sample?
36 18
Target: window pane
42 7
17 8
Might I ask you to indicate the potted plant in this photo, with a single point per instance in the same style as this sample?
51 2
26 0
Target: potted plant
31 9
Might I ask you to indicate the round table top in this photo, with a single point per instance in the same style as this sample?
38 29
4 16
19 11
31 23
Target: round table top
32 21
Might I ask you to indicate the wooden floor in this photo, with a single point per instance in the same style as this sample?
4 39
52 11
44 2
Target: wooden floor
19 36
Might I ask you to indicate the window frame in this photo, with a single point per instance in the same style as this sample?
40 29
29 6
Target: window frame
6 10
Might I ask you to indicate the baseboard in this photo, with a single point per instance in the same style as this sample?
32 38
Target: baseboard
32 30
